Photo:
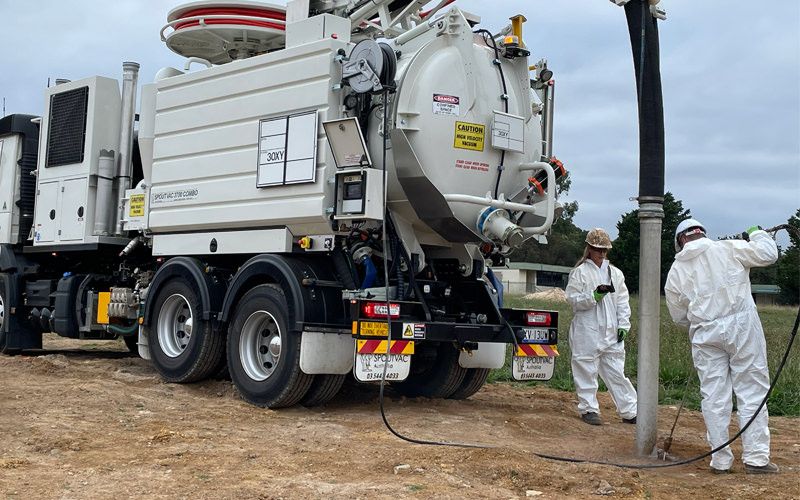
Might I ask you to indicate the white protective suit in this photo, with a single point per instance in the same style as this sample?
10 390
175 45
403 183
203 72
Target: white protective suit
708 290
593 338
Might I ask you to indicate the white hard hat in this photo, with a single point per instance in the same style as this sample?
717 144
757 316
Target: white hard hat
684 226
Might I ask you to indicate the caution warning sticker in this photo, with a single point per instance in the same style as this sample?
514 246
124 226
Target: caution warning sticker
469 136
137 206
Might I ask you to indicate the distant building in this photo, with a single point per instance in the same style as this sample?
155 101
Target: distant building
525 277
765 295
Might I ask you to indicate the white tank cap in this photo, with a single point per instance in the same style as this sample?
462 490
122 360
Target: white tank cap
167 73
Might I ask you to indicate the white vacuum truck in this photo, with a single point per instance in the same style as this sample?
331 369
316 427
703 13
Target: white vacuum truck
319 198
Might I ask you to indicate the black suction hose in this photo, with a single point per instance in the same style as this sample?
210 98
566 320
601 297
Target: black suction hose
388 302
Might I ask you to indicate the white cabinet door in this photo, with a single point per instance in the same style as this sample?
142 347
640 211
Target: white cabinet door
46 215
73 210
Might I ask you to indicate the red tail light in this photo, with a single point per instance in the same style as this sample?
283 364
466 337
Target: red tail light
378 310
537 318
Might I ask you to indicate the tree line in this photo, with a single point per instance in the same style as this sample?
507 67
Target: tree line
566 244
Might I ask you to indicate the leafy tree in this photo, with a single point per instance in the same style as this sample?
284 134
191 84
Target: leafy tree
787 274
625 253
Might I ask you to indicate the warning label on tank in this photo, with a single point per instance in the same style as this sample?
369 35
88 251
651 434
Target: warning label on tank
446 104
472 165
137 206
469 136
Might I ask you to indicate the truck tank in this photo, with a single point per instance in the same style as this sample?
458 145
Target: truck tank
463 142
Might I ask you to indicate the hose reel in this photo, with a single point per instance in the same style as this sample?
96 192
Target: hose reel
371 67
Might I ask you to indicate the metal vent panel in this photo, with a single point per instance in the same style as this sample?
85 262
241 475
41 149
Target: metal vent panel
66 136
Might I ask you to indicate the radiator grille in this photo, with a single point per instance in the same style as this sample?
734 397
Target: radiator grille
67 130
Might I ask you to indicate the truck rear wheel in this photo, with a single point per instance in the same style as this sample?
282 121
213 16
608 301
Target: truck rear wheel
263 353
322 390
472 383
183 346
437 373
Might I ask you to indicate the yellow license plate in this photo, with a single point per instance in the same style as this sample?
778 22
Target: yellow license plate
371 329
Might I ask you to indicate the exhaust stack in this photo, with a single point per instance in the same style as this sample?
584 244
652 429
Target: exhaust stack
130 74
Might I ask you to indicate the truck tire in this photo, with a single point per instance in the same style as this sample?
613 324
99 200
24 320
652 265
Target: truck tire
184 347
263 353
437 374
472 383
322 390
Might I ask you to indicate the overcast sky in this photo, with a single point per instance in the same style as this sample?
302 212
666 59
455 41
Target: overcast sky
731 82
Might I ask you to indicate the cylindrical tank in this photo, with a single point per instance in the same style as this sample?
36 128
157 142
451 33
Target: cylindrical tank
104 206
443 113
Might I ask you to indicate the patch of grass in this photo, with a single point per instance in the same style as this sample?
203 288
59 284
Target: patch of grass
676 367
415 487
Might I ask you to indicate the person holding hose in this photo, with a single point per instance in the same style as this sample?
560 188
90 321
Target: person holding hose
599 298
708 291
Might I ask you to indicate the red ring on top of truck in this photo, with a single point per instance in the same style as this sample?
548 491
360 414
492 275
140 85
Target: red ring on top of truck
276 15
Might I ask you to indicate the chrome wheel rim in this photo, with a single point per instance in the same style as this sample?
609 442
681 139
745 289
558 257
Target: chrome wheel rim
260 345
175 323
2 313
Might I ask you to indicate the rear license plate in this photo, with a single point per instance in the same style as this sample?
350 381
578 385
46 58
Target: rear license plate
535 335
532 367
369 367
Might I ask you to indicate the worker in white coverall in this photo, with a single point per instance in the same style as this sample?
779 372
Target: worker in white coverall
599 298
708 290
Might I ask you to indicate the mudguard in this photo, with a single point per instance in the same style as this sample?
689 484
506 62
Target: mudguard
211 291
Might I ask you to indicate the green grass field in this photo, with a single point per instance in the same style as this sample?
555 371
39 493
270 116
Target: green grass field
675 356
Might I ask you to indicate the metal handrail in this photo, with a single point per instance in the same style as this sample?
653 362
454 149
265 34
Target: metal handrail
488 201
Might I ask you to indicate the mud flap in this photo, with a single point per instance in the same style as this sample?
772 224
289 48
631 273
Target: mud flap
18 333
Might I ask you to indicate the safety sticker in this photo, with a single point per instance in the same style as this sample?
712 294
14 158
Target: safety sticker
137 206
379 347
525 350
472 165
370 329
446 104
469 136
414 331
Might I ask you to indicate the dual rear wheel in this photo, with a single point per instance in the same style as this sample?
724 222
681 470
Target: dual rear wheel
263 352
184 347
264 355
435 373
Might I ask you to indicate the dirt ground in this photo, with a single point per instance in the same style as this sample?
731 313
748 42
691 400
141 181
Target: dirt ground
90 421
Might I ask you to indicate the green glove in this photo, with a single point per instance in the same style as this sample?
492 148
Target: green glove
598 296
753 229
621 334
